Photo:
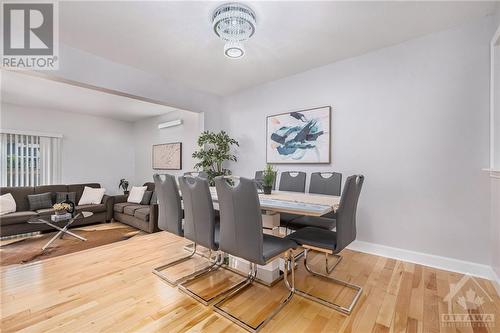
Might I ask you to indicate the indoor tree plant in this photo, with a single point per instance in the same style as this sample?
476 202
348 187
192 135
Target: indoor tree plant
268 179
215 149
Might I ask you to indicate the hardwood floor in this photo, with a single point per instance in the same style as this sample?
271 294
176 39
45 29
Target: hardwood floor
111 289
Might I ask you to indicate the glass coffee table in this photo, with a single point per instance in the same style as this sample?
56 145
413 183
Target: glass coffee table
64 230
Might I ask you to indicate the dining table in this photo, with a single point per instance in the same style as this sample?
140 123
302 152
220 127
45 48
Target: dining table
272 206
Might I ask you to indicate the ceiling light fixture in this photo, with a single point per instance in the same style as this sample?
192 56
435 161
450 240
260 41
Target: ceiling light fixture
234 23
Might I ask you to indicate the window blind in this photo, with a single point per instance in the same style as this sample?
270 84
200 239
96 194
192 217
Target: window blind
29 160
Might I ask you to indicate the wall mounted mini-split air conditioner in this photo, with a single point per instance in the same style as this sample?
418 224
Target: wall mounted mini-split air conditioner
168 124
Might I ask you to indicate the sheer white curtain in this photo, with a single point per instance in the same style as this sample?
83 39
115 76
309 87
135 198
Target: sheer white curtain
29 160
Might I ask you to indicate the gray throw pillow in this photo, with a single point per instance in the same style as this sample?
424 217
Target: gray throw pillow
40 201
61 196
146 198
154 199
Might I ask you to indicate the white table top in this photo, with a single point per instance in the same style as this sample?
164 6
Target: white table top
295 203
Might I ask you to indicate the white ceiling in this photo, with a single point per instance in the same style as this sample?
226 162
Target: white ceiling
175 39
37 92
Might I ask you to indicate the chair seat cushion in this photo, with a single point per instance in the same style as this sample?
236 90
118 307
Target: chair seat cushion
130 209
321 238
142 213
91 208
17 217
312 221
273 246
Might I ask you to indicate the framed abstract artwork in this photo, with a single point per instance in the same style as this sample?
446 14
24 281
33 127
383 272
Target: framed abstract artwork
167 156
299 136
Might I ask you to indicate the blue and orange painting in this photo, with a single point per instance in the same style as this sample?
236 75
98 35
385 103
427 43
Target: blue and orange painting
299 137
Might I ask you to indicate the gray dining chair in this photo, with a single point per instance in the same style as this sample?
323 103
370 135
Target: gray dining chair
294 181
326 183
241 236
259 179
170 215
201 226
169 204
332 242
201 174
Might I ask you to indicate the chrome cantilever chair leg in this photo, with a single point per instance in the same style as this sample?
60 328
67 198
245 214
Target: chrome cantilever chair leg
189 248
290 264
345 310
159 270
330 269
240 287
206 301
327 269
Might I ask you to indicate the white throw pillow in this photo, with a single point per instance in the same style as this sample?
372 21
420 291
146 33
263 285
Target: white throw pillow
91 196
136 194
7 204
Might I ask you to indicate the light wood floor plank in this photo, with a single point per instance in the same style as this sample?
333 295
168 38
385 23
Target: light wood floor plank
112 289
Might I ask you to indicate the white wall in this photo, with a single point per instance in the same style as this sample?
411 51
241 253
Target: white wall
413 118
146 134
81 66
103 150
94 149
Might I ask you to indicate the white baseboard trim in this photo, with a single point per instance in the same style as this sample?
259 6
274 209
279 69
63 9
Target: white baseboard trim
449 264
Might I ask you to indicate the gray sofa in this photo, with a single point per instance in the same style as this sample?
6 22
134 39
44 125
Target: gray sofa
144 217
17 222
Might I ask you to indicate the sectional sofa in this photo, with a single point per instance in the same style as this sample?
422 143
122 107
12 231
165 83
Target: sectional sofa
143 216
17 222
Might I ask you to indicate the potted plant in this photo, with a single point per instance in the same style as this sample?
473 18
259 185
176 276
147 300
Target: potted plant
268 179
215 149
124 185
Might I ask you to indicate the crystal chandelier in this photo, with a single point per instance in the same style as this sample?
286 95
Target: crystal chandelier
234 23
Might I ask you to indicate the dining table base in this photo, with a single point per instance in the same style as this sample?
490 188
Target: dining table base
267 275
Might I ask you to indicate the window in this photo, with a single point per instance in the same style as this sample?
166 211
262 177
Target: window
30 160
